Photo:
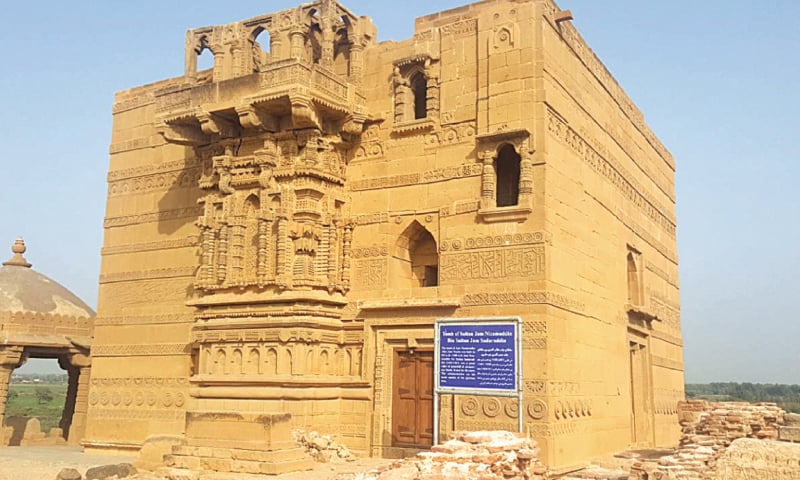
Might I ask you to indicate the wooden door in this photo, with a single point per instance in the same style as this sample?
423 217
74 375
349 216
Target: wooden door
412 399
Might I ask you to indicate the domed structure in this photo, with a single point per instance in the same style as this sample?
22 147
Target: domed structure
39 318
23 289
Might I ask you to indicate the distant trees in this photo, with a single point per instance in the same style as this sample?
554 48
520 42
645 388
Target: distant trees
43 395
786 396
47 378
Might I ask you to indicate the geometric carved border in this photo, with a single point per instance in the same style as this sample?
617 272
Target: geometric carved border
141 350
524 298
613 172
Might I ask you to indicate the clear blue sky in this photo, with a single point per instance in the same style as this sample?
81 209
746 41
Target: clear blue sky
717 81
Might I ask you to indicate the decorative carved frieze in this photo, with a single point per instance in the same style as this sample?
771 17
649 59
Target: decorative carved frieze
526 297
190 241
140 350
148 274
613 172
186 178
430 176
158 319
495 263
158 216
136 144
472 243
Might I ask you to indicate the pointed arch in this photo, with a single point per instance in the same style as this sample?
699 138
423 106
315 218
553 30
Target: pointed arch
341 53
254 361
416 258
634 284
221 362
261 43
271 362
236 362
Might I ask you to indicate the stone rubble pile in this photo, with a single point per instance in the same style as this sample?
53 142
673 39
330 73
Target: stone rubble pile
322 448
489 455
707 430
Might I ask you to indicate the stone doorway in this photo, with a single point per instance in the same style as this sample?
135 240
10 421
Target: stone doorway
412 398
17 431
642 419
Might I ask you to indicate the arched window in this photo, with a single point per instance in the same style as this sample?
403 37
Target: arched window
205 61
419 90
262 45
341 53
634 288
507 168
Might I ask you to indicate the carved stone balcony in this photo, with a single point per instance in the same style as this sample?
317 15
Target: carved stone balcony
287 94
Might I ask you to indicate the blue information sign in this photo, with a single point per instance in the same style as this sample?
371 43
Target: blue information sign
478 356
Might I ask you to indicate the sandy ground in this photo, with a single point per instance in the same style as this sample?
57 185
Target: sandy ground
44 463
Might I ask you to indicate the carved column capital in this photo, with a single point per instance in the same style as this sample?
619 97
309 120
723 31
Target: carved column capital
11 356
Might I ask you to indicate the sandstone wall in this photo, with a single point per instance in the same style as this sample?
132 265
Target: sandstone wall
585 254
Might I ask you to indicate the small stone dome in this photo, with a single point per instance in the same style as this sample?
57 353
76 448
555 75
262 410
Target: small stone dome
23 289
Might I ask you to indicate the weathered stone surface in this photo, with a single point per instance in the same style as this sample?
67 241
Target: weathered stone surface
155 447
749 459
466 457
181 474
789 434
69 474
103 472
322 448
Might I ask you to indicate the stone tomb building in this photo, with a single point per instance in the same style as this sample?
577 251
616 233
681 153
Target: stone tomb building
283 229
40 318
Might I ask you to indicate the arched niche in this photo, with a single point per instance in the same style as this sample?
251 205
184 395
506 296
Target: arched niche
415 259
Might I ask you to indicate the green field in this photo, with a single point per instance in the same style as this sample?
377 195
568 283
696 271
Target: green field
43 401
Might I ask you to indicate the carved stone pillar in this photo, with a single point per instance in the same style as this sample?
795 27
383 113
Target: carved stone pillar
10 358
191 56
356 63
347 240
296 39
205 275
262 266
332 239
487 179
328 39
220 58
283 267
73 418
78 428
526 176
222 264
236 251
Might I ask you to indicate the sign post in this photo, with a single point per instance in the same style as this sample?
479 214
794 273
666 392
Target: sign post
477 356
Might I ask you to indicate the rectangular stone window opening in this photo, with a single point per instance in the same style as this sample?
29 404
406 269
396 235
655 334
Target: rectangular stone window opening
431 278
